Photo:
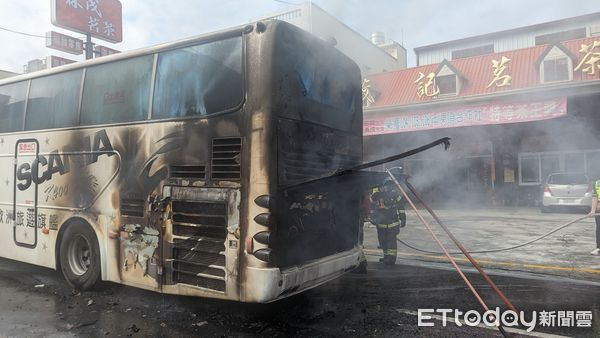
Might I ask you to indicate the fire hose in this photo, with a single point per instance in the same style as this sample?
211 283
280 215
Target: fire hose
556 229
450 258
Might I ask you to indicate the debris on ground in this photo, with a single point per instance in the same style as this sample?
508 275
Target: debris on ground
200 324
134 328
90 302
79 325
39 285
92 322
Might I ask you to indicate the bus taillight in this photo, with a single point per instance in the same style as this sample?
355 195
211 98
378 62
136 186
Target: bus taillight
264 201
263 219
263 254
263 237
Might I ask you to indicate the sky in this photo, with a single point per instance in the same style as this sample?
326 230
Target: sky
412 22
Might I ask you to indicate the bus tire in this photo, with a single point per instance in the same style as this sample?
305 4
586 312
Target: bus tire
79 256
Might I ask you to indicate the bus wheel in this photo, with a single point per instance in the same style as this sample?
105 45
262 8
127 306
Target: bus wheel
80 257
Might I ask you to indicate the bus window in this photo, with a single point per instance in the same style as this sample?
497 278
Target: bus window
117 91
199 80
53 101
12 106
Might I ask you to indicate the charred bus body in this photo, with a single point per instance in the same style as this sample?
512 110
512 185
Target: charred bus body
179 168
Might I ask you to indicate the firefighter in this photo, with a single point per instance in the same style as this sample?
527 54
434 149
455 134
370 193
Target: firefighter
388 214
596 252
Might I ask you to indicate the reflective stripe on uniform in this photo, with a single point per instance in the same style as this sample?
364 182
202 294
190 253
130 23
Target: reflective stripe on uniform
390 252
386 226
597 190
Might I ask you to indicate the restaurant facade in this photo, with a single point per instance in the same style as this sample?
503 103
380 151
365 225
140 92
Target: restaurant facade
514 117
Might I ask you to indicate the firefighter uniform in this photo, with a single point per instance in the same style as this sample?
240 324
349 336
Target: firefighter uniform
388 214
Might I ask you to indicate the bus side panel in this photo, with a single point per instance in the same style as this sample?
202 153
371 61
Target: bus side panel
68 179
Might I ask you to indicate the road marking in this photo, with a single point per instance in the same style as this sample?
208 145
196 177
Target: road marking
483 326
497 263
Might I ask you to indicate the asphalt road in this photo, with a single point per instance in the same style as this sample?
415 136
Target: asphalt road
566 252
381 303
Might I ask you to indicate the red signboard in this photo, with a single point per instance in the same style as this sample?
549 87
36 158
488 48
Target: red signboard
100 50
55 61
100 18
64 43
465 116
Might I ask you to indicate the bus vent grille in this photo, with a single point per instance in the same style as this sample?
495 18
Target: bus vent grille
203 282
298 167
132 207
200 230
188 171
226 158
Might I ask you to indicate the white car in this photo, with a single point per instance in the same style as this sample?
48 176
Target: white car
567 190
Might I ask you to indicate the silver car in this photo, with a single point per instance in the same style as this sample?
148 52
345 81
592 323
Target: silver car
568 190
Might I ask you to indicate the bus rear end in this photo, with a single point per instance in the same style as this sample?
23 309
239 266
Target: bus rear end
316 122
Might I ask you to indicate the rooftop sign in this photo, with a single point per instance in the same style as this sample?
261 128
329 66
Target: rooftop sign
101 19
56 61
64 43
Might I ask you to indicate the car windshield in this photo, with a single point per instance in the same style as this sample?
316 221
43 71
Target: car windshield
567 179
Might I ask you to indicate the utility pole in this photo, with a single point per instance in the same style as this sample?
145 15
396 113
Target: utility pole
89 47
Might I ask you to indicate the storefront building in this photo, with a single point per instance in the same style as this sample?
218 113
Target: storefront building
514 117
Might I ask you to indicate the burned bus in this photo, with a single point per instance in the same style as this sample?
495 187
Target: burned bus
180 168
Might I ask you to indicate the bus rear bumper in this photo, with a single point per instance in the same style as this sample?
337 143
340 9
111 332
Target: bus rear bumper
263 285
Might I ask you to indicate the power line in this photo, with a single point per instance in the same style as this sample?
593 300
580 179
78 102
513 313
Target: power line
32 35
26 34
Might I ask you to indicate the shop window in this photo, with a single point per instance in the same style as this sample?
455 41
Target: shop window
557 37
556 70
534 168
473 51
556 66
446 84
549 164
529 170
593 165
447 79
574 162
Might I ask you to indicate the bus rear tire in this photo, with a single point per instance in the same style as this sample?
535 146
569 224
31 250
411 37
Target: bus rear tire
79 257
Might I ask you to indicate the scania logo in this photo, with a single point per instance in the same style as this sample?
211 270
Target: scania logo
42 168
